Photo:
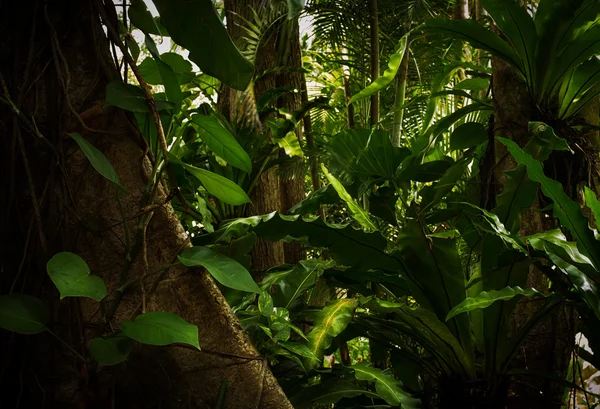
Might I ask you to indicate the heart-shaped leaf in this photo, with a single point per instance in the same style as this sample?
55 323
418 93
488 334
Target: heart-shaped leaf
225 270
110 351
161 328
71 275
22 313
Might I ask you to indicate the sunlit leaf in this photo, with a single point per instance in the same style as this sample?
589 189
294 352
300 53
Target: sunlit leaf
487 298
389 388
388 76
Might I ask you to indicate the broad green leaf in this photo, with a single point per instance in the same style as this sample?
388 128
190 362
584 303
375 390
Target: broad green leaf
161 328
388 76
290 144
388 387
437 277
22 313
71 275
265 304
520 191
197 27
358 213
110 351
477 36
167 75
516 24
567 257
565 209
291 283
329 323
134 48
347 246
468 135
222 143
366 153
294 8
474 84
142 18
424 328
487 298
179 65
225 270
329 393
298 349
591 201
131 98
577 52
429 171
217 185
97 159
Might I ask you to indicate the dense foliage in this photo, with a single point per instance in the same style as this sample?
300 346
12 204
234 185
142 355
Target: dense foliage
410 274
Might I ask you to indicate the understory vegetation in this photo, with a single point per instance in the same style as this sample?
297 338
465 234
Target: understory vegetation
320 204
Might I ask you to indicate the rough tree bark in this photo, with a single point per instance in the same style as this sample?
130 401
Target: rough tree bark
548 347
280 48
55 65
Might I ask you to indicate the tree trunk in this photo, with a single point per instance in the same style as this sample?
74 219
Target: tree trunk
400 96
548 347
374 38
55 65
280 47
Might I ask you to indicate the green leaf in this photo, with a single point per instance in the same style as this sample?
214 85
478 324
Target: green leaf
329 393
591 201
196 26
487 298
265 304
294 8
161 328
225 270
366 153
167 75
97 159
110 351
468 135
22 313
387 77
358 213
478 36
298 349
142 19
389 388
71 275
222 143
131 98
565 209
134 48
474 84
217 185
516 23
290 144
291 283
430 171
520 191
329 323
567 257
347 246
